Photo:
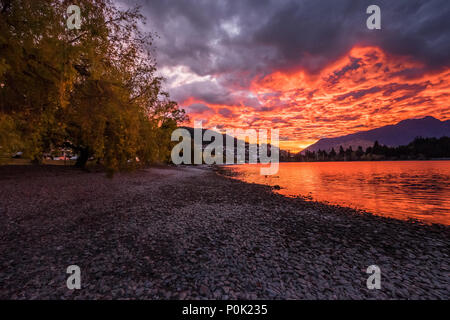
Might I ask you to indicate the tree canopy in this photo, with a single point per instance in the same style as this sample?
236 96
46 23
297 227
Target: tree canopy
93 90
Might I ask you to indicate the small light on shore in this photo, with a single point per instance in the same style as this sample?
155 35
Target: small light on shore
2 85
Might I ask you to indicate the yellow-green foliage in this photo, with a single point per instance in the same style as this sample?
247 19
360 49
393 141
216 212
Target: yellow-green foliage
92 89
10 140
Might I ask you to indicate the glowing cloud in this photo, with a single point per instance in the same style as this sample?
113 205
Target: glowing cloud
364 89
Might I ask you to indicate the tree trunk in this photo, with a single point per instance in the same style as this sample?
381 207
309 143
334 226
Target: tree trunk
82 158
37 160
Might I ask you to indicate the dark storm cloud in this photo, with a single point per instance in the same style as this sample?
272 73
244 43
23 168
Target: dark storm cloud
236 41
212 92
359 94
353 65
338 118
311 33
413 88
207 91
212 36
227 113
198 108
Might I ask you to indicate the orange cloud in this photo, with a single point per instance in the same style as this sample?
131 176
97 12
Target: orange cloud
365 89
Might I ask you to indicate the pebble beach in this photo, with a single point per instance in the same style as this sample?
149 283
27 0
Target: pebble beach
194 233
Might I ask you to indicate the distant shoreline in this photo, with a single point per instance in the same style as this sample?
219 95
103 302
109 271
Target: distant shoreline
337 161
69 163
384 160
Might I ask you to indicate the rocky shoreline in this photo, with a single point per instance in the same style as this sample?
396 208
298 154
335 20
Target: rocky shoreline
191 233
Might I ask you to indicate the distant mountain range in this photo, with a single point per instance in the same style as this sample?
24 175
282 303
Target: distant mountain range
398 134
205 143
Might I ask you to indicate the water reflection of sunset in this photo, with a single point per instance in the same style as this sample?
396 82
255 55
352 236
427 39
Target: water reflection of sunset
400 189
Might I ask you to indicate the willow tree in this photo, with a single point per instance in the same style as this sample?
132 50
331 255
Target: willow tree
31 60
93 89
119 111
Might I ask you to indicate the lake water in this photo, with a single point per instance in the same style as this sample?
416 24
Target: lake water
398 189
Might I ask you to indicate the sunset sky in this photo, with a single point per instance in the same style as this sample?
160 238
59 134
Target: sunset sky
309 68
